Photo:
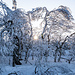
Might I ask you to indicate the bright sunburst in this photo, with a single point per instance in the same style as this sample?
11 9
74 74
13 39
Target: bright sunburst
35 37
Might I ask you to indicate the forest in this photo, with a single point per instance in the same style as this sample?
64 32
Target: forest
37 42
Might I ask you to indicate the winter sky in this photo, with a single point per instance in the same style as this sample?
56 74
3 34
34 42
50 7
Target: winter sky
50 4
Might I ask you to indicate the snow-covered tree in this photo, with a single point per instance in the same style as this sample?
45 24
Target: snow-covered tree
16 28
58 22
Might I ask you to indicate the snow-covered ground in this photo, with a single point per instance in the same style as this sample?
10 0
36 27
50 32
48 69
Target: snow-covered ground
58 68
19 70
47 68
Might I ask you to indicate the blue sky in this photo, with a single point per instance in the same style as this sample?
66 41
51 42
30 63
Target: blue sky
50 4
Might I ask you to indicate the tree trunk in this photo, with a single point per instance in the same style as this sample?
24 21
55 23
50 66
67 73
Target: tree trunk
59 57
55 55
32 57
13 63
55 58
26 56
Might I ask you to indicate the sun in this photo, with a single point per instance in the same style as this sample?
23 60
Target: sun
35 37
